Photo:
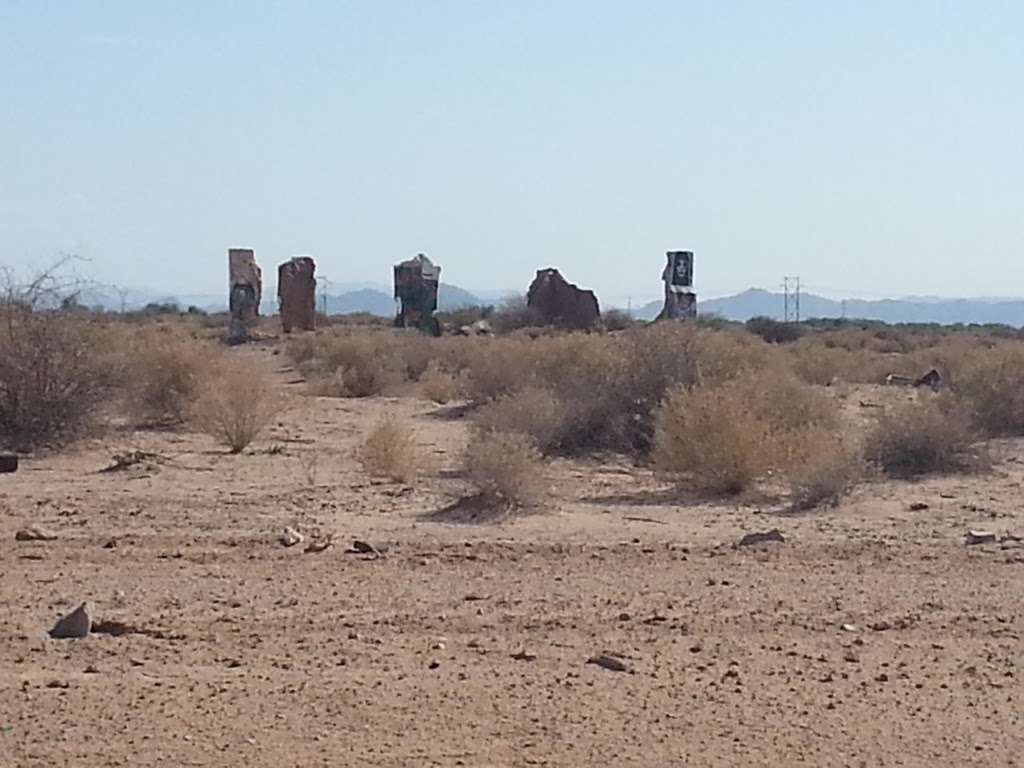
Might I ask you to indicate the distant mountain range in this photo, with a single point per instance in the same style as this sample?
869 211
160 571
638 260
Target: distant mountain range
376 299
371 298
377 302
756 302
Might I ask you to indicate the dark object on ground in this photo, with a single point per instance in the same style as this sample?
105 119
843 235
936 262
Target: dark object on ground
34 533
610 663
76 624
8 463
773 536
932 379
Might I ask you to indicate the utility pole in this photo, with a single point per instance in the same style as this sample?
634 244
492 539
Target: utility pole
324 281
791 299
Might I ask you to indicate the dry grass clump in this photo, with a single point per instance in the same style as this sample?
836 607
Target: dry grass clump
234 405
358 365
362 362
506 469
301 349
930 436
711 440
56 371
164 373
514 314
607 387
993 391
440 384
831 469
721 439
390 450
532 411
815 362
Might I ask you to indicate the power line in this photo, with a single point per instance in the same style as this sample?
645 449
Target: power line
791 299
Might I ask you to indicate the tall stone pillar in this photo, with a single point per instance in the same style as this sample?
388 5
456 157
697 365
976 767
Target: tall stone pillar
680 299
296 292
245 287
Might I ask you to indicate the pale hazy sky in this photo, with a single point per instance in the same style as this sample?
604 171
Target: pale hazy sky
873 148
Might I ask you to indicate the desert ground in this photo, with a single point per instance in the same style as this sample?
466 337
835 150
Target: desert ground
872 635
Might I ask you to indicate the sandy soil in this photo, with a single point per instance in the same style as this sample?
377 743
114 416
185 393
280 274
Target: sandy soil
468 644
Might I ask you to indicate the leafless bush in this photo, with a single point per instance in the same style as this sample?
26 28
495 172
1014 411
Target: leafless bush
441 385
514 314
235 404
505 469
532 411
711 440
993 390
55 374
919 438
361 362
56 370
301 349
829 471
164 373
720 438
609 386
390 450
617 320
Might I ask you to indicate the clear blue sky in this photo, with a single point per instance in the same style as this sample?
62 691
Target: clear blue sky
873 148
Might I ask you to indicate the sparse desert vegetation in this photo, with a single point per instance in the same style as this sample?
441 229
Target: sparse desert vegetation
505 469
390 450
234 404
555 495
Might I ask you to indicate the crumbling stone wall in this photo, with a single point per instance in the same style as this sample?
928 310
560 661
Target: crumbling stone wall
296 292
559 302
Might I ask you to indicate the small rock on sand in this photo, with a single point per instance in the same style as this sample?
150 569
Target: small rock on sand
291 537
972 537
76 624
610 663
765 537
34 533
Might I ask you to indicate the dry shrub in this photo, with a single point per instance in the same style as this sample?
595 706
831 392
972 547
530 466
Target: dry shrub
711 440
720 439
441 385
831 470
609 386
361 366
816 363
929 436
497 366
301 349
617 320
506 469
361 362
993 390
234 405
775 331
164 373
513 314
56 372
391 451
533 411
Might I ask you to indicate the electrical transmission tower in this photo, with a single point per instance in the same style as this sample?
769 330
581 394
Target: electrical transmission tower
791 299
